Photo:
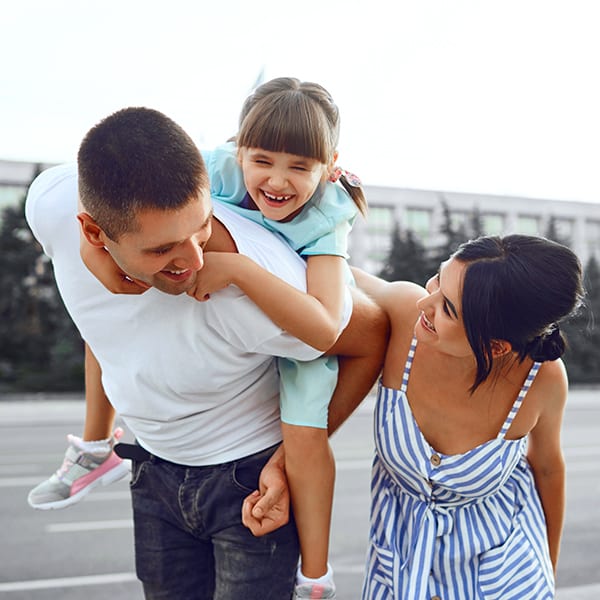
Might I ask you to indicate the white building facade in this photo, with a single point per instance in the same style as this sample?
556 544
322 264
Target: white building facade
15 177
422 211
419 210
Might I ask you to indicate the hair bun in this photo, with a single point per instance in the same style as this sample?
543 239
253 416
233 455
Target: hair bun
549 346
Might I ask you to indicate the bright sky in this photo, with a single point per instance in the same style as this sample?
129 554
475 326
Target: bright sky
491 96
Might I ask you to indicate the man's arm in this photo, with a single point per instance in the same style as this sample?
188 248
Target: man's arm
99 412
361 349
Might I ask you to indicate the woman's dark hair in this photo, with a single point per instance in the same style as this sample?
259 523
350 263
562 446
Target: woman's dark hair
517 288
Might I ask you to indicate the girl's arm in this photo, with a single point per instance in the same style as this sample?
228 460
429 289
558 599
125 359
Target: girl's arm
313 317
545 454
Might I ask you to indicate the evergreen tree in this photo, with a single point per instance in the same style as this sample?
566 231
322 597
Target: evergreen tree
40 349
452 236
476 224
407 259
552 233
583 354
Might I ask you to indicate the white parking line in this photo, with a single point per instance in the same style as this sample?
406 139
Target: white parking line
89 526
65 582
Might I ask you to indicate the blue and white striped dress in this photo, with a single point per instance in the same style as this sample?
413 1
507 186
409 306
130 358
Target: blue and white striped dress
453 527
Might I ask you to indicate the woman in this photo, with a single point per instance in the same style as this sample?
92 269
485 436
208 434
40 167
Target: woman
468 477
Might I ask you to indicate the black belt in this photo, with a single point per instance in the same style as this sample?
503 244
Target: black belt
132 451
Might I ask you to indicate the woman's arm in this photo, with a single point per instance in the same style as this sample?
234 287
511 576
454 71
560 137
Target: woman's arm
545 454
313 317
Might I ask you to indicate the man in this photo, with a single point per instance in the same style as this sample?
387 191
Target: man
195 382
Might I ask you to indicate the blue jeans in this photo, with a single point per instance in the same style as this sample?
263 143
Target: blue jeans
190 543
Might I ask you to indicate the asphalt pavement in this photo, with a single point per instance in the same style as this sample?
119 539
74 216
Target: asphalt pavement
86 551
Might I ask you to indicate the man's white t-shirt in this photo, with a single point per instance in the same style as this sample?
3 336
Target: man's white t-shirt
195 382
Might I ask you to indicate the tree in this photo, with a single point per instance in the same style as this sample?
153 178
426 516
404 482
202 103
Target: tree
583 354
452 236
407 259
552 233
40 349
476 224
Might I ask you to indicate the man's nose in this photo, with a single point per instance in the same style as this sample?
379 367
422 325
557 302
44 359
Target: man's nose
191 256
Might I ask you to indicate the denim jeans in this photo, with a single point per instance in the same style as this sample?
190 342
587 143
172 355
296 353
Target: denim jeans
190 543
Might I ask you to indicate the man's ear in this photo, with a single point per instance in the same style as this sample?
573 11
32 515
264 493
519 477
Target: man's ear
91 230
500 348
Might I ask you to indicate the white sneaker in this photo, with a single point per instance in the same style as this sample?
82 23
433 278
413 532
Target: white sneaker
80 472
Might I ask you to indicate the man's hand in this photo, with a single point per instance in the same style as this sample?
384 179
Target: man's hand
267 509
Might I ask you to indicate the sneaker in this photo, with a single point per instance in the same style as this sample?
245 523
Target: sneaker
314 591
80 472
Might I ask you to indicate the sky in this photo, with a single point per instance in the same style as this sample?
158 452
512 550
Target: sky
484 96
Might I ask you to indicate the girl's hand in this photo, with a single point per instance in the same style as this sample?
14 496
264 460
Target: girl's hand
100 263
217 273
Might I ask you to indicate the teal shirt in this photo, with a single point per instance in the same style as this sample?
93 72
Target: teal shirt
321 228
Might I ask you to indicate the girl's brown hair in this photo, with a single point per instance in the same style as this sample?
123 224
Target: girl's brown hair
287 115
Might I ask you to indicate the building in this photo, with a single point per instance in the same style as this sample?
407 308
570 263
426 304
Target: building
423 212
419 210
15 177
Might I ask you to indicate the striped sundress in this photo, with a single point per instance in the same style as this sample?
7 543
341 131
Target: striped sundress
453 527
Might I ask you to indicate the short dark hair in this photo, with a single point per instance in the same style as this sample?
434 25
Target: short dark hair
137 158
517 288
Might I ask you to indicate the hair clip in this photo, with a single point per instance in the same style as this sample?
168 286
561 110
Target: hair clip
351 178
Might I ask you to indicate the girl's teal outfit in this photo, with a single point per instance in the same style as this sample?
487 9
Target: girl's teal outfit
322 227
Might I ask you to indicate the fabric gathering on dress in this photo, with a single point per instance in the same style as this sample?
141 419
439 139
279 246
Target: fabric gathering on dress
453 527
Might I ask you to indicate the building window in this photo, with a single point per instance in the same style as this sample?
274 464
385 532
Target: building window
592 234
418 220
492 224
459 220
380 227
564 229
528 225
11 195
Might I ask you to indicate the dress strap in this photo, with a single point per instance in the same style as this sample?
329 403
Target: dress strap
517 404
408 365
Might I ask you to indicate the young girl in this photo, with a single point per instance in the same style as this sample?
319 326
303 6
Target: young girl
287 150
468 477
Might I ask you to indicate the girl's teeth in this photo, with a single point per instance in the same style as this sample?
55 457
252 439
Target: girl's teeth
277 198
